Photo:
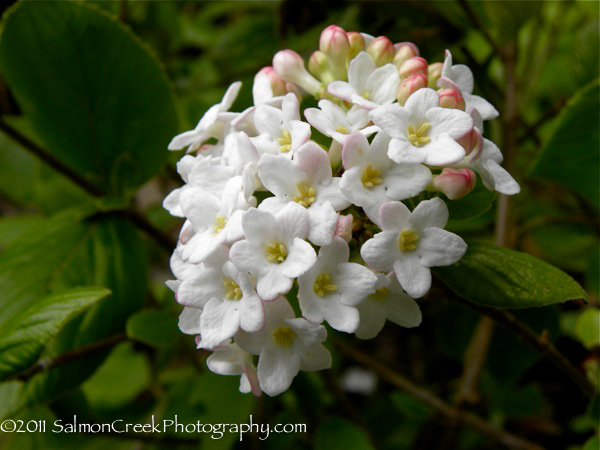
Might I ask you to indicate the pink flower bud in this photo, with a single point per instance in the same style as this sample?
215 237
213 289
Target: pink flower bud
318 65
413 66
405 51
357 43
289 65
409 86
472 141
343 228
435 72
335 45
450 95
382 50
455 183
276 82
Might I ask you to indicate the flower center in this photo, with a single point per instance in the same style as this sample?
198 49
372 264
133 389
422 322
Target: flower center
285 142
418 138
307 196
323 285
341 129
221 222
381 294
284 336
408 241
276 253
233 290
371 177
366 95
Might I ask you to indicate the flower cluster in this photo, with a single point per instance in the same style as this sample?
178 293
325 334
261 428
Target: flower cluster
331 240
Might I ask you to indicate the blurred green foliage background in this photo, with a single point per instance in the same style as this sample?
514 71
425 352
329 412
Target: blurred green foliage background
102 88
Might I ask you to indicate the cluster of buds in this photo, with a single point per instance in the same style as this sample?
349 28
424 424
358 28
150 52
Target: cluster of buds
258 279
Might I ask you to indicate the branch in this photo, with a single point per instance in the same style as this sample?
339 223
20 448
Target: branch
49 363
133 215
541 343
505 438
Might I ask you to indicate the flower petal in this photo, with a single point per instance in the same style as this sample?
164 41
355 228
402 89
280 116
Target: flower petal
381 251
414 278
277 368
440 247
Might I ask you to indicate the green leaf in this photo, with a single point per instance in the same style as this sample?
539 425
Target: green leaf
498 277
155 328
335 433
473 205
24 338
587 327
93 93
571 156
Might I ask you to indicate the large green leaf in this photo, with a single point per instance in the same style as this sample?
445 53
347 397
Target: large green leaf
499 277
24 338
155 328
93 93
571 156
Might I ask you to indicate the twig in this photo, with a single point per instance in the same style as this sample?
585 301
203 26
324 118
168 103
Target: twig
136 218
49 363
540 343
454 414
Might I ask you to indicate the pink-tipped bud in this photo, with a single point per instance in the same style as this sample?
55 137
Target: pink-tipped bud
450 95
405 51
472 141
382 50
413 66
289 65
435 72
357 43
409 86
343 228
275 81
335 45
455 183
318 65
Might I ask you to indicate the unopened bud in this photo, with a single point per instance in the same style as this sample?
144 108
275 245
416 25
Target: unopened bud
335 153
472 141
450 95
382 50
455 183
409 86
275 81
404 51
318 65
413 66
336 47
435 72
343 228
357 43
289 65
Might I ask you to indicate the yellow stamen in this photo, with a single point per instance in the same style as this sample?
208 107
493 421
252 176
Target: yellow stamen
284 336
341 129
221 222
285 142
276 253
233 290
408 241
366 95
323 285
307 196
418 138
381 294
371 177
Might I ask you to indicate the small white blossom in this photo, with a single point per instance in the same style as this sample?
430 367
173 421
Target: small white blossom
229 359
285 346
274 249
333 121
411 243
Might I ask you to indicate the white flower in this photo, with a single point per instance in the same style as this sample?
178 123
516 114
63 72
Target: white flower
233 305
274 249
214 123
216 221
241 155
371 177
285 346
306 180
333 121
368 86
189 320
422 131
281 131
388 302
411 243
333 287
229 359
462 76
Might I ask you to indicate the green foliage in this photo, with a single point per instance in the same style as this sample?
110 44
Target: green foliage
24 338
106 113
155 328
336 433
495 276
571 155
587 327
473 205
